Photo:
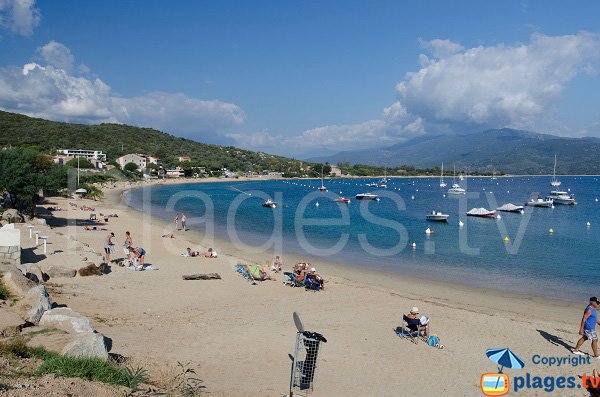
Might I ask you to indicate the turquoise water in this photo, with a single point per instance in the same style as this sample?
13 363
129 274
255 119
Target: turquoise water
563 264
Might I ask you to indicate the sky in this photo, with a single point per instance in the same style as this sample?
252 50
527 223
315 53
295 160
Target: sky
305 78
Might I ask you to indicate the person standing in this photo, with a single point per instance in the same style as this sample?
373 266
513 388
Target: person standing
128 243
587 329
177 221
108 247
183 221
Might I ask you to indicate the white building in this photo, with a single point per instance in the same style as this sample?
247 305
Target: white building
88 154
141 160
176 172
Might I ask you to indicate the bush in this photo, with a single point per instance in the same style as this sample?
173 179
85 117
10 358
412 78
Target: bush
88 368
4 292
131 167
83 163
16 347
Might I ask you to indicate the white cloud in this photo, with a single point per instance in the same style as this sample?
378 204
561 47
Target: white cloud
51 91
57 55
459 89
19 16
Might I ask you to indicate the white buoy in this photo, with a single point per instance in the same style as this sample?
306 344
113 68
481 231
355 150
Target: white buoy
413 246
443 195
550 230
522 212
412 197
317 204
461 224
508 191
429 231
498 216
417 190
596 200
569 189
552 206
588 224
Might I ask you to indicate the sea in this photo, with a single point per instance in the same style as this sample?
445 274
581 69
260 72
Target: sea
548 252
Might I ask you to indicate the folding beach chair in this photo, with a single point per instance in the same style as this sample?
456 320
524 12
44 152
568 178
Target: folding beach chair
405 332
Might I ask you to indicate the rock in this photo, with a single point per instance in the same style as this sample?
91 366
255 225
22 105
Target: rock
33 272
12 216
42 221
67 320
17 283
55 271
88 344
92 270
12 323
34 304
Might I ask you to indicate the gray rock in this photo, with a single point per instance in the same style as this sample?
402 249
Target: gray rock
88 344
67 320
34 304
17 283
55 271
33 272
12 216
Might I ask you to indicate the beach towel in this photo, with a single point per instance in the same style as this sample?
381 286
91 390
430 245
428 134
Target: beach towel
255 271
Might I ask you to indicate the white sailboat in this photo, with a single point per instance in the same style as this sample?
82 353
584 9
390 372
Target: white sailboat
322 188
442 182
456 189
383 183
555 182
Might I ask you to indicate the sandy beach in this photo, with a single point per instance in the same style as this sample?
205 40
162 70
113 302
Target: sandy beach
239 336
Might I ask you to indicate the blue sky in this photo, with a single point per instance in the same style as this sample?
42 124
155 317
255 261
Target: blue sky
304 78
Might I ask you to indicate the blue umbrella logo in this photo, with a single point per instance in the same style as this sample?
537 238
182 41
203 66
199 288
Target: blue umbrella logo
505 358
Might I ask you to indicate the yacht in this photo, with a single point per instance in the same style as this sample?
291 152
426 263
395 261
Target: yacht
561 197
383 183
322 188
554 182
442 182
367 196
345 200
437 217
456 189
539 202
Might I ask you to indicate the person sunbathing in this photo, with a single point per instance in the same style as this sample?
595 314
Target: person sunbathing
171 235
257 272
86 227
416 323
191 253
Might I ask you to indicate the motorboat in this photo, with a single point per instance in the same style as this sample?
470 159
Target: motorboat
554 182
510 208
270 204
561 197
481 213
437 217
367 196
539 202
342 200
442 182
373 184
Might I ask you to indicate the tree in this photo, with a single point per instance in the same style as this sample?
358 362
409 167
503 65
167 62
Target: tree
83 163
21 177
131 167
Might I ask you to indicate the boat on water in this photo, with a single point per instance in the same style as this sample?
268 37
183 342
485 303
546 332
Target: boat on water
536 201
561 197
383 183
367 196
554 182
342 200
437 217
510 208
456 189
269 204
372 184
322 188
442 182
481 213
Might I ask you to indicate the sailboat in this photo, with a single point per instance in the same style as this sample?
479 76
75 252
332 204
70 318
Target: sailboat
555 182
322 188
383 183
442 182
455 189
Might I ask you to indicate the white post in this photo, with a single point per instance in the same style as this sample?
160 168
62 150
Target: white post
45 242
30 227
37 236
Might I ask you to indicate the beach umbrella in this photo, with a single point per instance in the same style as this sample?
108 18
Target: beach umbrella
81 191
505 358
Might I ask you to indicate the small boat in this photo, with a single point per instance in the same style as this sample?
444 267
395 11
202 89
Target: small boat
322 188
481 212
437 217
535 201
510 208
456 189
554 182
270 204
374 184
367 196
561 197
442 182
383 183
342 200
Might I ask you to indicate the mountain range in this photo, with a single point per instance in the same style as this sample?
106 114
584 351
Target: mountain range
504 150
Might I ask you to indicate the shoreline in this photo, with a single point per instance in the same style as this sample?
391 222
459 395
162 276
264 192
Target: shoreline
229 326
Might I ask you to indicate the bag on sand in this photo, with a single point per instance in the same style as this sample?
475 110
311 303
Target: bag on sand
434 341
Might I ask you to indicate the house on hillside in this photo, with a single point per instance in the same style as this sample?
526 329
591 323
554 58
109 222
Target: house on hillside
85 153
184 158
141 160
176 172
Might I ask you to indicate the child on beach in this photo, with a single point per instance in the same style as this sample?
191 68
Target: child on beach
277 264
211 253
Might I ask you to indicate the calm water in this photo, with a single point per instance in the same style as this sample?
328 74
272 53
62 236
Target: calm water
563 264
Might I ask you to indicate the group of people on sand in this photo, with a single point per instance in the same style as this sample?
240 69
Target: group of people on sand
135 255
304 270
210 253
183 219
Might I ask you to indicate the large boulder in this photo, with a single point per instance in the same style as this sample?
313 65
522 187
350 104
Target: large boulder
11 323
88 344
34 304
56 271
17 283
67 320
12 216
33 272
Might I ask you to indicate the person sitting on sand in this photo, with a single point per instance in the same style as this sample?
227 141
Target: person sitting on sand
140 253
416 323
95 228
211 253
299 267
277 264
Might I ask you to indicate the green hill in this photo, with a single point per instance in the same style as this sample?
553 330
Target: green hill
117 139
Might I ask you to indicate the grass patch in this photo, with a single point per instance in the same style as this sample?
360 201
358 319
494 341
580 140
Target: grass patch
4 292
16 347
88 368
